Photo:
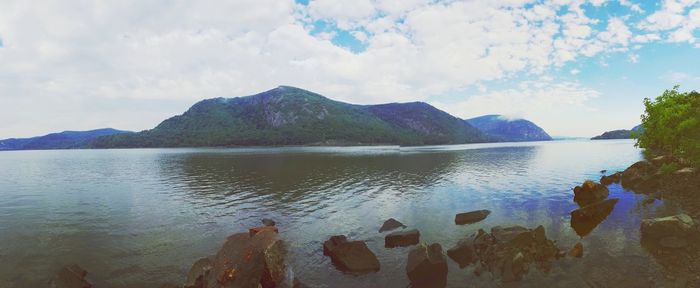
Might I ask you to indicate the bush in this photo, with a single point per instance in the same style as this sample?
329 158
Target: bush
671 124
668 168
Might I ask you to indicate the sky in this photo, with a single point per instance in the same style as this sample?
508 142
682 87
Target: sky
575 68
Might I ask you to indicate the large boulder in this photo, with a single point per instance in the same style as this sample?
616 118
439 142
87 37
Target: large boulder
680 226
639 176
199 273
402 239
71 276
471 217
585 219
391 224
351 256
427 266
589 192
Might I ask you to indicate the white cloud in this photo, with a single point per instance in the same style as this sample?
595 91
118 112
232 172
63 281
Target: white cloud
87 53
546 103
574 72
633 58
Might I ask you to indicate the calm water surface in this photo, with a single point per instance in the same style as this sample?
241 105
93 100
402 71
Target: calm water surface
140 218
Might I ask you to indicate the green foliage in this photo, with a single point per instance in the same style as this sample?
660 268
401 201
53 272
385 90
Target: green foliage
668 168
671 125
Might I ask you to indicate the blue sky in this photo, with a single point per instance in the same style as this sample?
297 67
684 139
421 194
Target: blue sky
576 68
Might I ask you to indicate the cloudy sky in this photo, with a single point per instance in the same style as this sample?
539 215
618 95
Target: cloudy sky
576 68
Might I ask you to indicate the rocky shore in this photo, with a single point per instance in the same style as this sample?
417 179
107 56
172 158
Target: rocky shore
258 258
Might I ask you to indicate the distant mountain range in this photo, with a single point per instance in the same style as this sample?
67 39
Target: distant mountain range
61 140
619 134
292 116
511 130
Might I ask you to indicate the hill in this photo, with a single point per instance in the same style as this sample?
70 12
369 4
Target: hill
501 128
61 140
619 134
292 116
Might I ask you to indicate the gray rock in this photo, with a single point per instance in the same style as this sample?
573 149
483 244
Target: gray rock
241 260
351 256
673 242
391 224
70 276
402 239
427 267
471 217
680 225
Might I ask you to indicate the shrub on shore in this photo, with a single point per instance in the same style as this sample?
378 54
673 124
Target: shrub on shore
671 124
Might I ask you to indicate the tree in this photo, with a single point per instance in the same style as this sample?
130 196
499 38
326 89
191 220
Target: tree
671 125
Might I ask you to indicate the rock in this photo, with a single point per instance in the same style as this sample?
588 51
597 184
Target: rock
299 284
391 224
589 192
603 171
511 235
351 256
276 273
257 230
471 217
687 171
585 219
427 267
199 273
638 176
70 276
268 222
402 239
463 253
661 160
678 225
577 250
673 242
614 178
170 285
648 201
241 260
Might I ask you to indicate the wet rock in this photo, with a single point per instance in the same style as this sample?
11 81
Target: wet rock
508 252
463 253
402 239
391 224
603 171
427 267
199 273
678 225
638 176
471 217
71 276
673 242
584 220
577 250
589 192
257 230
299 284
268 222
170 285
276 273
610 179
350 256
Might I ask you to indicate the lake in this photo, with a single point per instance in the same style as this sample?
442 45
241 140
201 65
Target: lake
141 217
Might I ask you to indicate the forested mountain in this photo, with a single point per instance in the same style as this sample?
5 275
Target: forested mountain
511 130
61 140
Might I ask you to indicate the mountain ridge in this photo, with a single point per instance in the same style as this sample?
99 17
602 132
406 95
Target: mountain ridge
61 140
515 130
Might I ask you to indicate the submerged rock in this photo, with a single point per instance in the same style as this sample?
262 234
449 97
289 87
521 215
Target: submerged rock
577 250
70 276
463 253
391 224
427 267
680 225
585 219
350 256
507 252
589 192
471 217
268 222
402 239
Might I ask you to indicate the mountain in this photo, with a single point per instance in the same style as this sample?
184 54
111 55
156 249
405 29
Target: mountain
292 116
501 128
61 140
620 134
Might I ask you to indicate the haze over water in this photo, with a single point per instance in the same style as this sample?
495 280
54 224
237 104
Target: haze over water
141 217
